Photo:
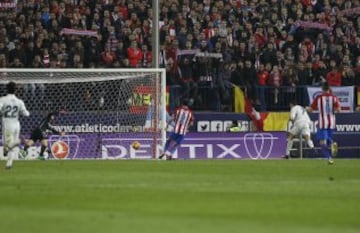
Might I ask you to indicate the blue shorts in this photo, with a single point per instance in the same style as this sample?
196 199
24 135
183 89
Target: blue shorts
325 134
178 138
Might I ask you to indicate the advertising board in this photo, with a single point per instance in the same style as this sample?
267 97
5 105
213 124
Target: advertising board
262 145
345 95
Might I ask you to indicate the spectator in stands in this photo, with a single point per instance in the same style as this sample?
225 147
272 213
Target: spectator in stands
92 54
304 74
269 55
187 79
237 75
319 73
170 75
17 52
280 33
223 78
357 73
348 76
250 80
46 58
280 62
290 44
3 61
263 77
17 63
275 81
355 47
77 62
289 81
146 56
162 56
334 76
134 54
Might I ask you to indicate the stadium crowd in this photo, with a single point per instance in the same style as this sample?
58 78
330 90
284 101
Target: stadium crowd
206 45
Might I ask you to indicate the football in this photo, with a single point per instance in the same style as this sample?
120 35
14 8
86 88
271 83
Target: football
136 145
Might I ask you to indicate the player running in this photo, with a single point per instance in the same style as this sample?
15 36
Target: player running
11 107
327 103
300 126
183 118
40 133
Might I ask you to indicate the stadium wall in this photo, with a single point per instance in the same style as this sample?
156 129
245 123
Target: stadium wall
207 139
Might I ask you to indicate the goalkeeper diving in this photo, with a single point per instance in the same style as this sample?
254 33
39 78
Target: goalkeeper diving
40 133
300 126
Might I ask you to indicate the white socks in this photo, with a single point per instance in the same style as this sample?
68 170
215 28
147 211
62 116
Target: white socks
289 145
310 144
10 158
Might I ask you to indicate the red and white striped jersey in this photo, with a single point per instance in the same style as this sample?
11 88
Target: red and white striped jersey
183 117
326 103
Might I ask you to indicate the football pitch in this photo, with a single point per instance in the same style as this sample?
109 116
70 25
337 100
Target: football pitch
134 196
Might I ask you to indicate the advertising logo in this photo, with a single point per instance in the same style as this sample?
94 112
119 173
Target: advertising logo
67 146
203 126
220 125
121 148
60 150
216 126
259 145
316 94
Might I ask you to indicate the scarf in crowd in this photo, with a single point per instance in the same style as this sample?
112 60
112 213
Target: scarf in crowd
315 25
11 4
197 53
78 32
351 11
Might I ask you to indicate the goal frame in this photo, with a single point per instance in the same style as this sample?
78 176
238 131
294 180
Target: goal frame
160 76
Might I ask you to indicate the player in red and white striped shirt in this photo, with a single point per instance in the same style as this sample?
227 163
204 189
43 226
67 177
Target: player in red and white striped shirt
183 118
327 103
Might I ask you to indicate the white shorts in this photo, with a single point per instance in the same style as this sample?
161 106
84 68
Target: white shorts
11 134
302 128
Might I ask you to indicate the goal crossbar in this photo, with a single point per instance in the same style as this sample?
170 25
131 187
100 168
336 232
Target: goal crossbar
67 75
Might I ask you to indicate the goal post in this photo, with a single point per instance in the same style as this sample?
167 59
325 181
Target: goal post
102 111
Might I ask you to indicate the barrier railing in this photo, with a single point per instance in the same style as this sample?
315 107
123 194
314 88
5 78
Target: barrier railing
212 98
209 97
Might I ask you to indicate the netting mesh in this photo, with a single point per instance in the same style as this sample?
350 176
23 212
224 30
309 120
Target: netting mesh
102 112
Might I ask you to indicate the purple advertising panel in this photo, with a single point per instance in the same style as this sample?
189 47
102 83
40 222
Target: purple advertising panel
252 145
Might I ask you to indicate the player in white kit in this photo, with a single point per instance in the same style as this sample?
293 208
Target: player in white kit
11 108
300 126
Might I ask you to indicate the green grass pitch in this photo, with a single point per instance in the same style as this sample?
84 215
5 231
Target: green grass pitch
210 196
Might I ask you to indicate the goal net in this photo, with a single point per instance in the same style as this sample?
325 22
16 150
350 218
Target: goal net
102 111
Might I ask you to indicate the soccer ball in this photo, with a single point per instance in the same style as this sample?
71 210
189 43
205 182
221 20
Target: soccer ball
136 145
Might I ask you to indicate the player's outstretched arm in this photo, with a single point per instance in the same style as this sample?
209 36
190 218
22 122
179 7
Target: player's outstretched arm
23 110
309 109
54 130
169 121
